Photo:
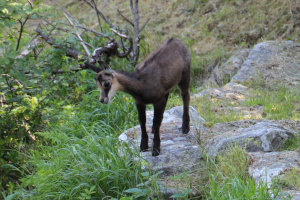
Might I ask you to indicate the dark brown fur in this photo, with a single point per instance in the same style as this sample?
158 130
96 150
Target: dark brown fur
150 83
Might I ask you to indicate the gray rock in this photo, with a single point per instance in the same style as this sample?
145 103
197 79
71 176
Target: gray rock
223 73
295 194
265 166
272 61
262 136
179 152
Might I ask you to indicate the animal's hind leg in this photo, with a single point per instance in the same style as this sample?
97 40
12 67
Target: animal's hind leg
159 108
185 94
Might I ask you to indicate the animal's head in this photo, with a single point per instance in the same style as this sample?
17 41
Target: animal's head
108 85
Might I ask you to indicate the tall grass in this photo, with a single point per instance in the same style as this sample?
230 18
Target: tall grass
230 179
82 157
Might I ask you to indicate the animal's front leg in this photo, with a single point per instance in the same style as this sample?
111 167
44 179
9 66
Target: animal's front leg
159 109
142 119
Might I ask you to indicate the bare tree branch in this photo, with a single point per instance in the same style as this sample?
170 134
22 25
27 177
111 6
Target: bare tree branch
136 43
65 11
144 25
93 31
60 71
106 19
81 27
125 18
22 24
101 54
69 52
119 34
78 36
98 17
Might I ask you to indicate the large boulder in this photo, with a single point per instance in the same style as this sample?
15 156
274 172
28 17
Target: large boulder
262 135
273 62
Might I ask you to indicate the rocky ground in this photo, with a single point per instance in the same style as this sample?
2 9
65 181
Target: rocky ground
274 62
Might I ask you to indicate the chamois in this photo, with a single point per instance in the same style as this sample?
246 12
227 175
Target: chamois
150 83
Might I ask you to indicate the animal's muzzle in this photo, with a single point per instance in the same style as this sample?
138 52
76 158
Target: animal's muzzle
104 100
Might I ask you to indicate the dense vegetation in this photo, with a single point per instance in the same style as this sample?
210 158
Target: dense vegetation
58 142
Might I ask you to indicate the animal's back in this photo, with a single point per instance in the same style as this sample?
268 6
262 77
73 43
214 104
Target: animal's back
169 53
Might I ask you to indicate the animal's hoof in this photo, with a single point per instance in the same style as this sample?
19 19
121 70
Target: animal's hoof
185 130
144 148
155 152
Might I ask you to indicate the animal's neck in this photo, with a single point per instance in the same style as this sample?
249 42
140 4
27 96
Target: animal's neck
129 82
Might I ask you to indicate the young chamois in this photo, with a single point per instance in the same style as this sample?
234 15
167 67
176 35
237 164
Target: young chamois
150 83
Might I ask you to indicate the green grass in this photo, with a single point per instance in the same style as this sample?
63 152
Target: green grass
229 178
209 109
291 178
282 103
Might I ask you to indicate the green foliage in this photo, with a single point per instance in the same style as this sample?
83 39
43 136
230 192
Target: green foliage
22 105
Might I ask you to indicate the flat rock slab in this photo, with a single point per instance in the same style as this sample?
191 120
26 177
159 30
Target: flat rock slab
230 91
265 167
252 112
261 136
179 152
